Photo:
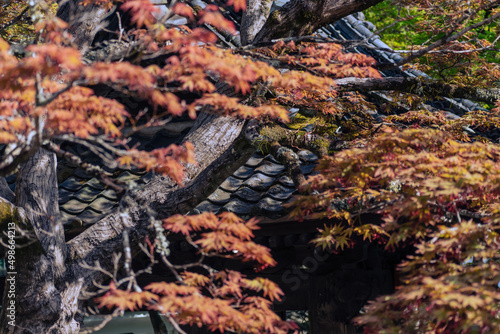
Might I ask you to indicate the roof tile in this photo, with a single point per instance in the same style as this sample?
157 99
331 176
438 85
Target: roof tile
65 195
219 197
247 194
110 194
255 160
307 156
128 176
280 192
270 168
238 207
269 207
68 219
286 181
308 169
90 216
72 183
243 172
87 194
147 177
207 206
102 204
231 184
259 182
95 183
74 206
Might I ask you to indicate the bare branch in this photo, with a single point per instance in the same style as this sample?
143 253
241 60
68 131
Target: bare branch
96 171
299 17
442 41
105 321
307 38
106 157
253 19
43 102
419 86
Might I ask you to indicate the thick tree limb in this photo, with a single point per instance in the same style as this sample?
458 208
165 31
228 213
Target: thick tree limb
45 301
253 19
84 21
5 191
36 192
419 86
216 146
303 17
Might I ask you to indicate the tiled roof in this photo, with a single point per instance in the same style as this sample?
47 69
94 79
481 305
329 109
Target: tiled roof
83 199
258 188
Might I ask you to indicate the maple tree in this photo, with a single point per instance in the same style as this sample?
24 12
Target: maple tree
435 189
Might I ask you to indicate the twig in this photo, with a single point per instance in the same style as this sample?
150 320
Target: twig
446 39
105 321
96 171
308 38
175 324
107 158
43 102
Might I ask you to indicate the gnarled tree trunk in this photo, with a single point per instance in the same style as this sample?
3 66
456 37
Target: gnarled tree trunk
38 297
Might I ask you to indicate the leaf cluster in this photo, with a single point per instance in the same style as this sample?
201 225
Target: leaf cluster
423 184
220 300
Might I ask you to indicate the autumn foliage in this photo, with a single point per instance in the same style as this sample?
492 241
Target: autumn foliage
220 300
431 192
47 97
433 181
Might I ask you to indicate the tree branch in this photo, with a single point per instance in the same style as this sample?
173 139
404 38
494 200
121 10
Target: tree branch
303 17
214 140
420 86
36 192
446 39
253 19
90 169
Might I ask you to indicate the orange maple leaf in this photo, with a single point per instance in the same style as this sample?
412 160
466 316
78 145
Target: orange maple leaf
238 4
141 11
183 10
